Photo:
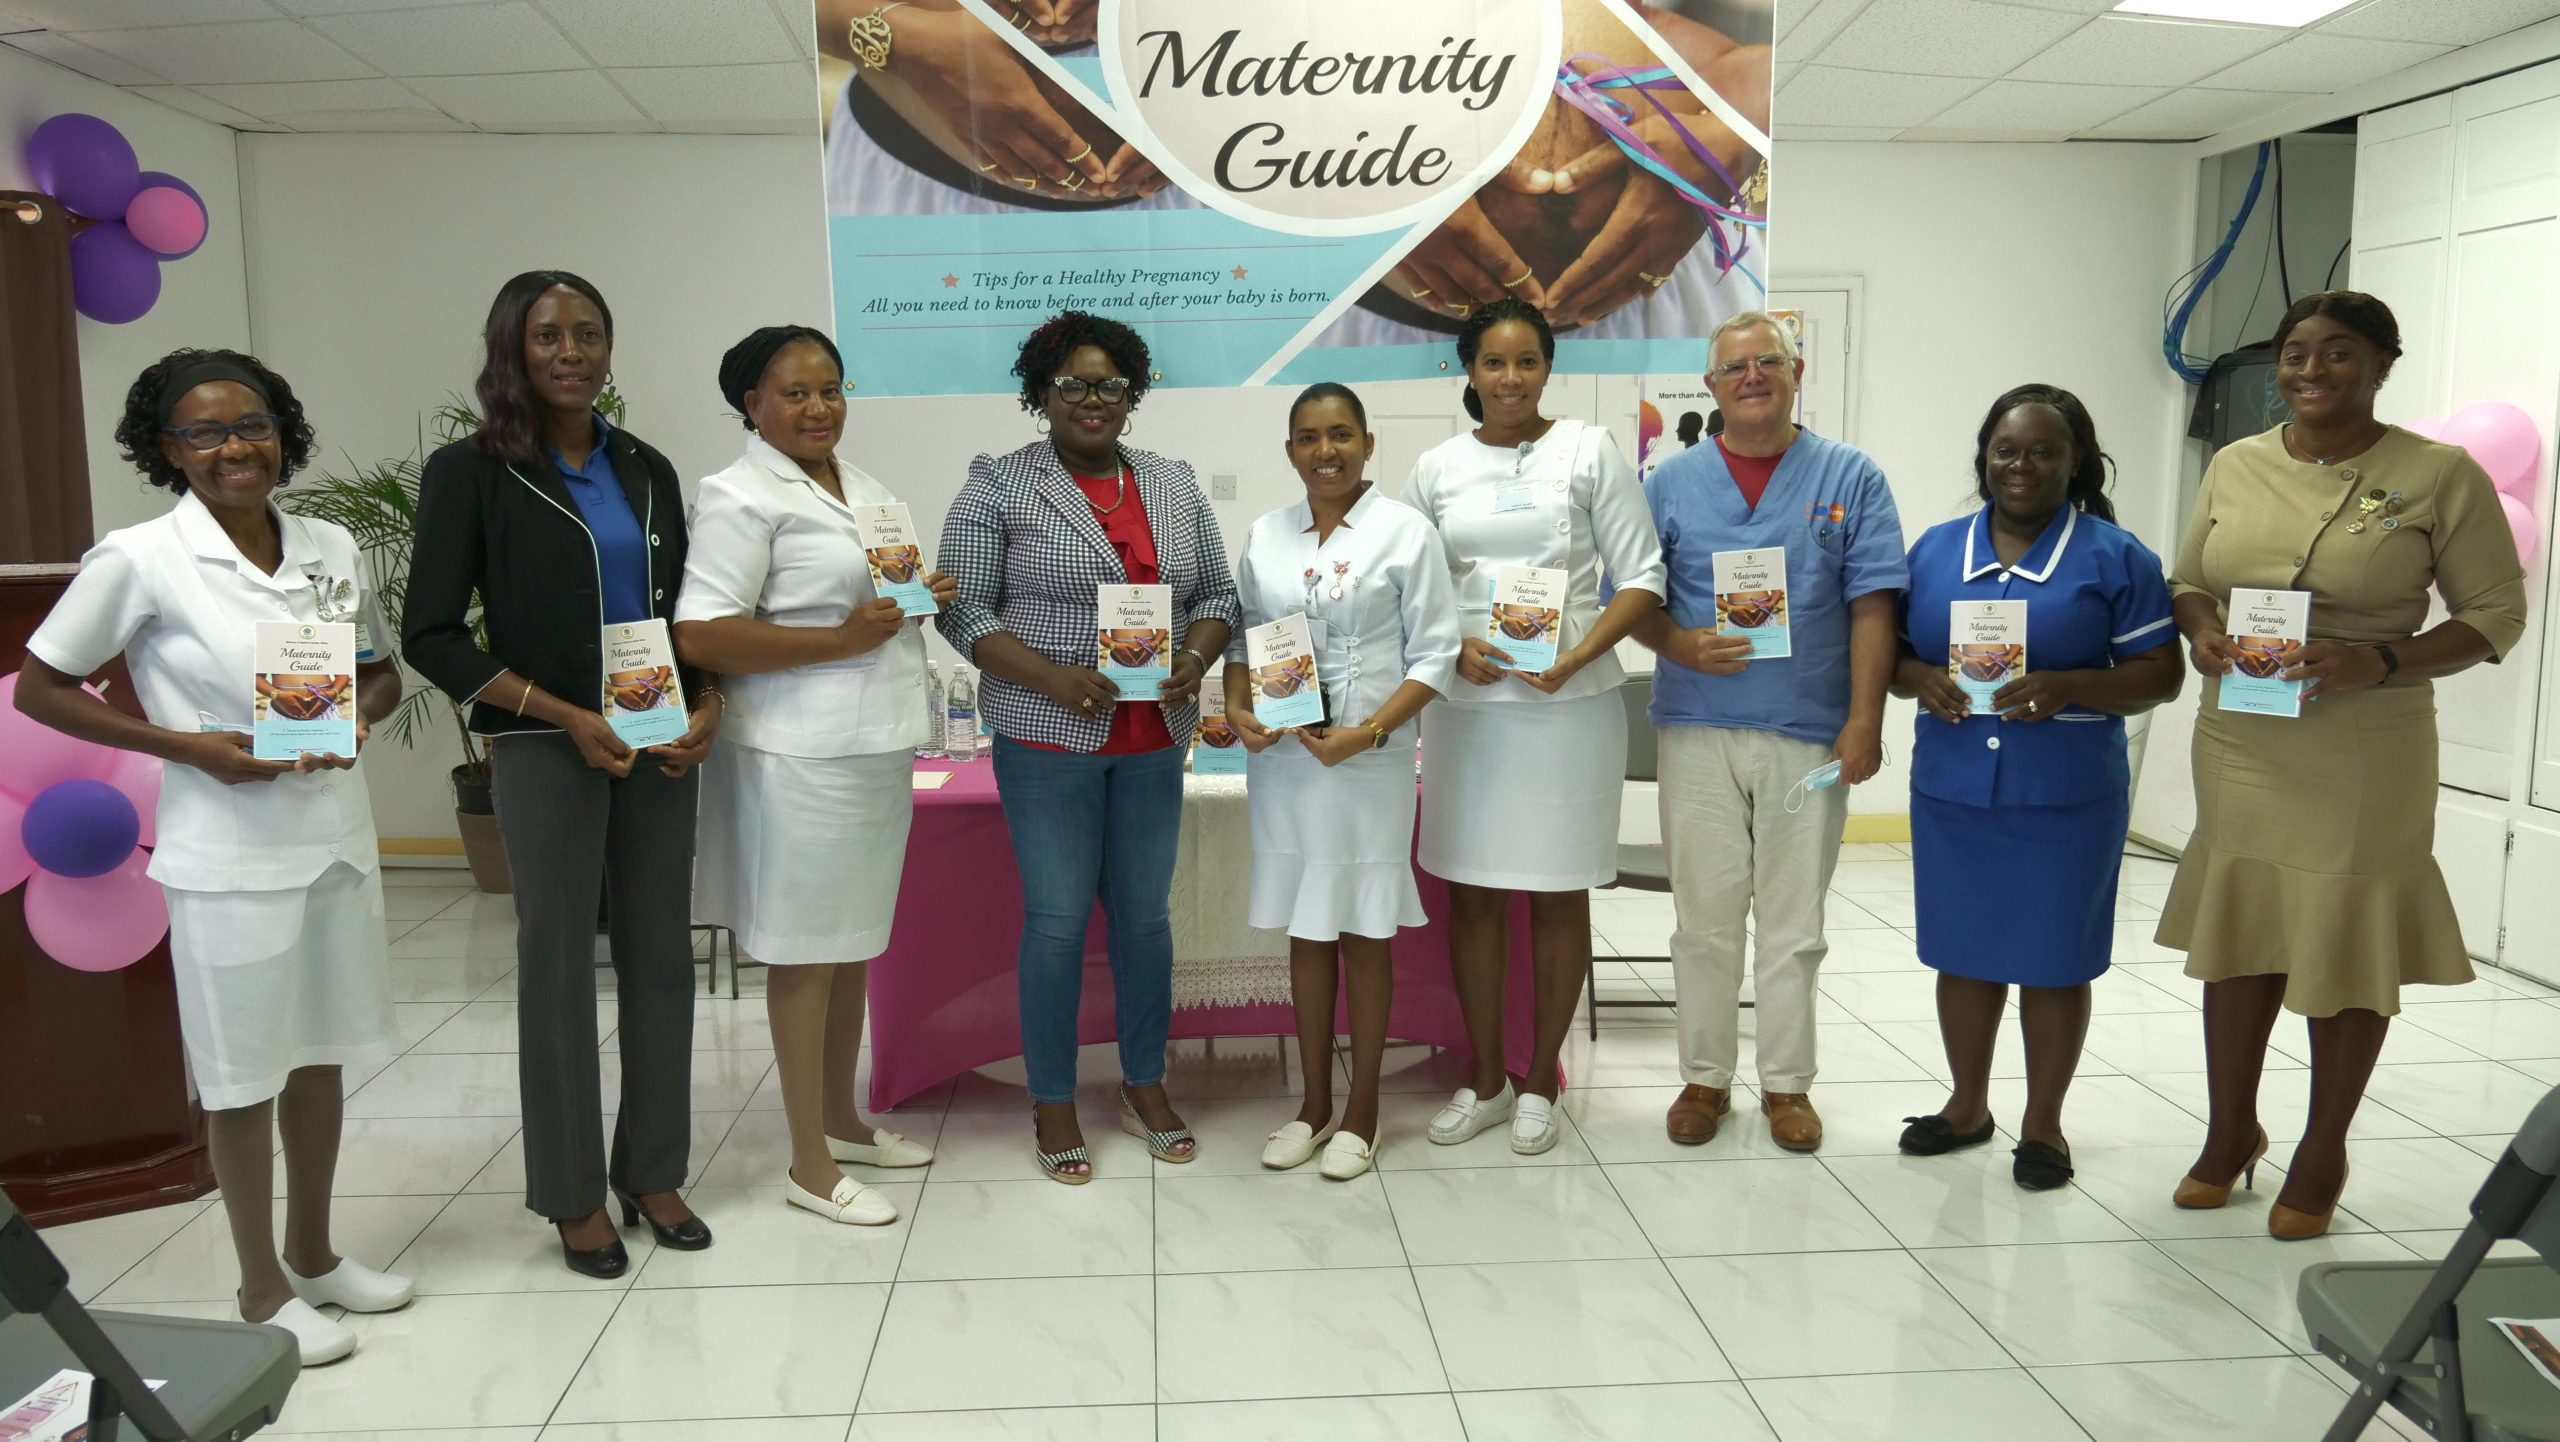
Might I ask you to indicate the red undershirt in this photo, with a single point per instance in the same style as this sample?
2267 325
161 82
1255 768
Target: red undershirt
1135 726
1750 473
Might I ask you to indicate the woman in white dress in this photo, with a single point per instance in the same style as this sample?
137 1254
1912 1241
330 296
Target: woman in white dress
279 948
1331 806
1521 770
803 833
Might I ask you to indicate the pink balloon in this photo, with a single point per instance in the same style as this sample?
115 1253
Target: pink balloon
2503 440
138 777
2528 530
98 923
166 219
34 756
2432 430
15 864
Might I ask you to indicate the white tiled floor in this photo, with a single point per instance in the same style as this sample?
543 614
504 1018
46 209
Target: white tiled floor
1616 1287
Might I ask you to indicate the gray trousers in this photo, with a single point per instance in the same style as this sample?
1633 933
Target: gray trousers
571 829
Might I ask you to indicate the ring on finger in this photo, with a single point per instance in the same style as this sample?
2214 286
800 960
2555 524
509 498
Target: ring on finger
1461 309
1027 182
1074 181
1656 281
1423 294
1081 154
1523 280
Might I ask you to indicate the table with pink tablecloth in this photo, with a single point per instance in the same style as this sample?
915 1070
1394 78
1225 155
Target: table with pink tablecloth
943 997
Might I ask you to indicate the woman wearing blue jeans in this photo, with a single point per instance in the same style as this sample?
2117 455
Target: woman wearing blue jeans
1091 783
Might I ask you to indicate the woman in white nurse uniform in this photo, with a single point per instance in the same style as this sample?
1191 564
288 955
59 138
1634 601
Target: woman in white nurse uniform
275 908
1521 771
1331 806
803 832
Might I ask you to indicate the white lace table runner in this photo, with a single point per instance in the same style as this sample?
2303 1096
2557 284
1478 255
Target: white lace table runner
1218 960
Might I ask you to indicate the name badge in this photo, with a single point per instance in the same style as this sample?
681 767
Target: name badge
1514 493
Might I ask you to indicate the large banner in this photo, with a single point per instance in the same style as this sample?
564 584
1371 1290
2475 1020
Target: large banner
1281 191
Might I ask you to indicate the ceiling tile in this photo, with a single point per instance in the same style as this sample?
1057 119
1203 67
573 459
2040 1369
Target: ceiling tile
1813 25
297 103
178 97
1841 132
1822 95
70 54
361 7
242 52
2068 7
455 40
1783 73
762 99
2187 115
565 100
2439 22
75 15
800 19
1959 136
2319 64
1945 37
2041 107
2119 50
674 32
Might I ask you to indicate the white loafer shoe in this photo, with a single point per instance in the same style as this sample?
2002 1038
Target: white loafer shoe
887 1149
1466 1114
1292 1145
353 1285
851 1203
1533 1126
1346 1156
320 1340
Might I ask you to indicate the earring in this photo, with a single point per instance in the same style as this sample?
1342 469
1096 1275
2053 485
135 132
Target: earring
1041 425
1129 426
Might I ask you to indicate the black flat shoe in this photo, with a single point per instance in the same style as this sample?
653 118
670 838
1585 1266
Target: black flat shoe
1932 1136
2039 1168
604 1263
689 1235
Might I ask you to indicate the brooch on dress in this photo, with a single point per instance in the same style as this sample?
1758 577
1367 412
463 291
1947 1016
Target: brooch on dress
336 596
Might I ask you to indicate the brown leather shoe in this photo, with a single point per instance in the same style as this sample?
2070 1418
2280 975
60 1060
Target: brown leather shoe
1793 1123
1695 1114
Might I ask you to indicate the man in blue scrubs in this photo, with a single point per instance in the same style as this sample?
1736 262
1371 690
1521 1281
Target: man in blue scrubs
1804 532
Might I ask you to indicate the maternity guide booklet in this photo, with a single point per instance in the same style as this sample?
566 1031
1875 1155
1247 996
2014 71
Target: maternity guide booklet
1286 691
58 1410
304 690
1214 748
642 698
1135 638
2533 1336
897 559
1751 600
1528 611
1986 648
2262 624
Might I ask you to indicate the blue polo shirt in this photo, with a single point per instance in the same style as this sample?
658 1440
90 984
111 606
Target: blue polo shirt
1828 506
2094 594
622 548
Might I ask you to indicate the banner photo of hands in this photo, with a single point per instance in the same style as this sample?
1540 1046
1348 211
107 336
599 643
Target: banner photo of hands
1284 191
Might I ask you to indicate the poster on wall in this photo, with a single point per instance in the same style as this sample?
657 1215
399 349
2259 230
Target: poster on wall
1675 412
1284 191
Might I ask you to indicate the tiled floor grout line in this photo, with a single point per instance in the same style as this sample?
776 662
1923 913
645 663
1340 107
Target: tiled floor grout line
1413 1276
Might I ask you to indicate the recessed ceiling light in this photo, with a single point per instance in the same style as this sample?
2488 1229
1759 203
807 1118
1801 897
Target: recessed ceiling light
2283 14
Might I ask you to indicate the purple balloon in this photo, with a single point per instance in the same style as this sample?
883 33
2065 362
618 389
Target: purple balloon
80 828
114 277
85 163
151 178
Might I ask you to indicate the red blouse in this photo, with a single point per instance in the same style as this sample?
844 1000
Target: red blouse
1136 726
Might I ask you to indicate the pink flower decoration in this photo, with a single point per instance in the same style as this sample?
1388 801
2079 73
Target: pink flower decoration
88 910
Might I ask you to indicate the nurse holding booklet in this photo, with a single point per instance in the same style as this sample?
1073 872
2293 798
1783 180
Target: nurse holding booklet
1331 804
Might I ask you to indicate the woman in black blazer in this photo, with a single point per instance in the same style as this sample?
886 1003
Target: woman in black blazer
563 525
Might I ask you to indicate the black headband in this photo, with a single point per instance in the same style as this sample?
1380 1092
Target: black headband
198 372
743 367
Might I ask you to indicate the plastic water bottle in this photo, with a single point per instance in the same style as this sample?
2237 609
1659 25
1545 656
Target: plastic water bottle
960 726
931 750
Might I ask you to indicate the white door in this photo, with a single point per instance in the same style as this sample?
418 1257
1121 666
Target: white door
2530 921
2471 850
1821 315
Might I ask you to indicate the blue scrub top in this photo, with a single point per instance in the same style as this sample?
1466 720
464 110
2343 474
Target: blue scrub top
1829 507
2094 594
622 551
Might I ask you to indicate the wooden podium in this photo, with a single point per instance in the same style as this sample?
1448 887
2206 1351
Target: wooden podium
97 1115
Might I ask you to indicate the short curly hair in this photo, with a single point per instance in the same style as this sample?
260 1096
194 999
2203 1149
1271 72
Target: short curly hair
139 432
1045 351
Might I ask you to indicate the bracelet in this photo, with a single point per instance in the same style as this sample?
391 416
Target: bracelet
869 38
1196 656
710 693
2390 662
524 696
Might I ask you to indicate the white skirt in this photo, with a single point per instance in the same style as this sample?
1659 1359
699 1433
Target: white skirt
1332 846
801 855
1523 795
270 981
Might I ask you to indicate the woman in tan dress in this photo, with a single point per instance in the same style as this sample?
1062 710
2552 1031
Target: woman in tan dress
2311 881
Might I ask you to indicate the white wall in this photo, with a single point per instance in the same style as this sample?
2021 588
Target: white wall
203 299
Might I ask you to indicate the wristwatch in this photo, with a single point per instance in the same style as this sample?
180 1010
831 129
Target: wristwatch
2390 662
1196 656
1377 735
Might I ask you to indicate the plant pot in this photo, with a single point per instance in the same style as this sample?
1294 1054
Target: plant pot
475 814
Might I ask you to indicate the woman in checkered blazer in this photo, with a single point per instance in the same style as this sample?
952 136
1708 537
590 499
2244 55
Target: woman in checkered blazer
1091 780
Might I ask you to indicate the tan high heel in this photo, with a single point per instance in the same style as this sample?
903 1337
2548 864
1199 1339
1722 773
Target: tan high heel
2291 1224
2196 1196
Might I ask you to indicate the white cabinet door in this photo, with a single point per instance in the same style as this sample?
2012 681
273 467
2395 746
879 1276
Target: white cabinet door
2532 916
2471 850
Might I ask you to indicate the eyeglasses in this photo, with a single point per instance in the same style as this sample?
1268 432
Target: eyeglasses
1767 365
211 435
1073 389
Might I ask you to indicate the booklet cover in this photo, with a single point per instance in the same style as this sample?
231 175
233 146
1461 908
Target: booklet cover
1528 613
57 1410
642 697
1286 690
1986 648
2538 1338
304 690
1136 638
1751 600
897 559
2262 624
1215 749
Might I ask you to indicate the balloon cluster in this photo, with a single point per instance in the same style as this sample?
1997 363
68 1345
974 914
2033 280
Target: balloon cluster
144 216
76 819
2503 440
